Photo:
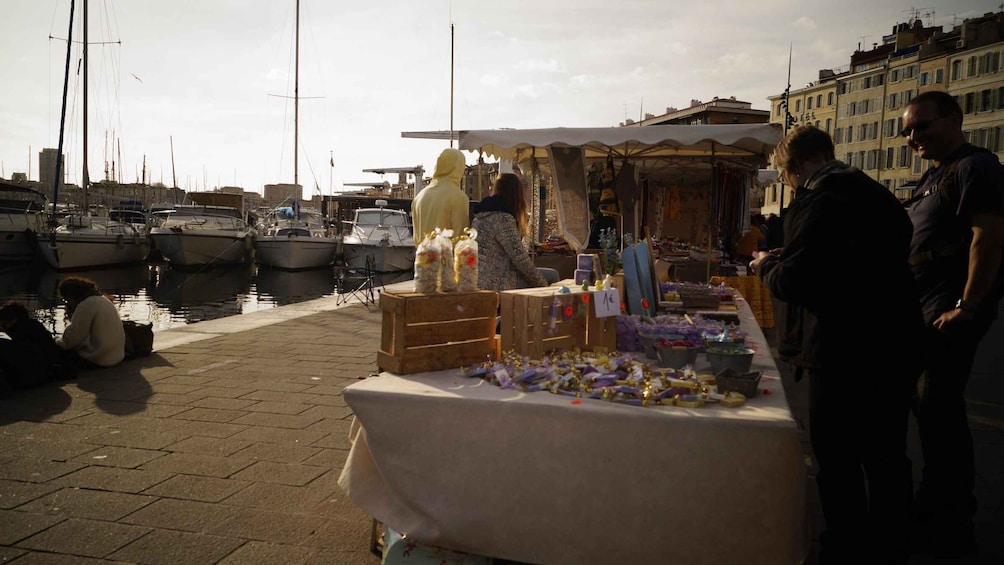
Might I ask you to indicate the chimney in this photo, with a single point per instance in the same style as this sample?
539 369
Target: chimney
694 102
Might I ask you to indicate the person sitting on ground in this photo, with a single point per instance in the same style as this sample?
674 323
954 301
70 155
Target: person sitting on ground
502 223
28 358
94 337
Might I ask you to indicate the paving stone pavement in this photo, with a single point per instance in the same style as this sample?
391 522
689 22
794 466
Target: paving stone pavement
225 446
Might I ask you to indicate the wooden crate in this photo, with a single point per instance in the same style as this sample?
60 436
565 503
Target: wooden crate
432 332
526 323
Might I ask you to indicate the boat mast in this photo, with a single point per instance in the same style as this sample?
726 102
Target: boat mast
62 114
174 175
296 115
86 179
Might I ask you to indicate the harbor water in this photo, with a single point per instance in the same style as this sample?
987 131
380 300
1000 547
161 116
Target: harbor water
169 298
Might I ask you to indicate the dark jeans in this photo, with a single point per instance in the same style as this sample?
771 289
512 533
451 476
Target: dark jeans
22 364
949 475
858 434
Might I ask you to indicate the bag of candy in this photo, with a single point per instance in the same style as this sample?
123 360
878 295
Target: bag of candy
465 260
447 276
427 264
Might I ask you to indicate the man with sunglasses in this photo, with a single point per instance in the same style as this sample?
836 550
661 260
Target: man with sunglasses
958 216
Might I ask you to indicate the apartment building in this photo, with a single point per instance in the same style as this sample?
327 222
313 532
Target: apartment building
870 95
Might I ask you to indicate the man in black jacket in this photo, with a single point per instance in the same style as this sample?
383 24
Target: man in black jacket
958 218
844 283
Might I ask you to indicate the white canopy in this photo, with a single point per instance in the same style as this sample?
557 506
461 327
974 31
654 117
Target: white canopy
727 141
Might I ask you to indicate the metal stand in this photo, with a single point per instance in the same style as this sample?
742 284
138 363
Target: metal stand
358 283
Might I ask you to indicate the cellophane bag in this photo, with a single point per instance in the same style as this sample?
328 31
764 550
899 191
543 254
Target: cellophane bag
427 264
447 276
465 261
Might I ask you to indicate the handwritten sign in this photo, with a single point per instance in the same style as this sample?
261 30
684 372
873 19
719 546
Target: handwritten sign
608 303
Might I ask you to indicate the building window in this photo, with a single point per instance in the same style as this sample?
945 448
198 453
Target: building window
925 79
890 154
986 102
879 80
873 130
971 67
970 104
838 135
1000 98
894 75
889 129
829 99
939 76
819 101
957 69
808 103
917 162
903 158
871 160
798 105
829 125
993 62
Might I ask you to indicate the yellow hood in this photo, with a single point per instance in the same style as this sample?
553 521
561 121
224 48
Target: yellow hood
449 167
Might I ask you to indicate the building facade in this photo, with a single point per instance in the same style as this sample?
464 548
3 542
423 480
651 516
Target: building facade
869 97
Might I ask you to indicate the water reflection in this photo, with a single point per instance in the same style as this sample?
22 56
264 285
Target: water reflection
196 296
170 297
290 287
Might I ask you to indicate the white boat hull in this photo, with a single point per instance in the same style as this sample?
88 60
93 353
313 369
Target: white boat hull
81 250
295 252
386 258
198 248
18 246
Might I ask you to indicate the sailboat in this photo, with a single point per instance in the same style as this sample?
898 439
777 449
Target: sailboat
81 240
293 239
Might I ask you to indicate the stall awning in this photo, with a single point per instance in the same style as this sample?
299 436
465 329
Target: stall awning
650 142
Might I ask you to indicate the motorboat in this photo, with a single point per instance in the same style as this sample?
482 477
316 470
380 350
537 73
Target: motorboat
295 239
82 241
22 218
199 235
383 233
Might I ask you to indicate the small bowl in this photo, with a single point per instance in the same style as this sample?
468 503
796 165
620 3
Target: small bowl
677 357
649 341
738 359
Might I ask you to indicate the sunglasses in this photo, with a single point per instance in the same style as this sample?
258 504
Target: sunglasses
919 127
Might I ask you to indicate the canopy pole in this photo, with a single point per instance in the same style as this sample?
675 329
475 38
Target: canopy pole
711 210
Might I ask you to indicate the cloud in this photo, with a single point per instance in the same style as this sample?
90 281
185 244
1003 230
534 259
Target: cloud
805 23
527 90
540 65
493 81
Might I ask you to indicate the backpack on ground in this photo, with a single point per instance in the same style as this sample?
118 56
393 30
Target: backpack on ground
138 339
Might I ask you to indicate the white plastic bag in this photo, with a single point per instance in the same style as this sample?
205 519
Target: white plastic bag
465 261
447 276
427 264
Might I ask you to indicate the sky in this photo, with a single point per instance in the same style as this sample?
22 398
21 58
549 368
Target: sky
214 79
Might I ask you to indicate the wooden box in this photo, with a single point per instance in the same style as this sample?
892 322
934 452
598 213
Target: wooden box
432 332
526 325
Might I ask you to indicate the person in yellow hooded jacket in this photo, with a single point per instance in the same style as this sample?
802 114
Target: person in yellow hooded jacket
442 204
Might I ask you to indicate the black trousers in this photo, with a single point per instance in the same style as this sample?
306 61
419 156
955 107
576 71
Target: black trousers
949 473
23 365
858 428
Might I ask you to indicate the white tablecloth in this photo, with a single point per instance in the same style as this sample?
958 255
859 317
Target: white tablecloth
543 478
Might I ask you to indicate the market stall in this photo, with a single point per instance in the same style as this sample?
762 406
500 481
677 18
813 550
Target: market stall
543 478
685 181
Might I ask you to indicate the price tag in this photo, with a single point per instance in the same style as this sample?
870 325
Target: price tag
608 303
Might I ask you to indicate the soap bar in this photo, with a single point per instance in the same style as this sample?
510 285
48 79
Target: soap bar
583 275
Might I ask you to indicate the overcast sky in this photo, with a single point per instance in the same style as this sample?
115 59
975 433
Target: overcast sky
217 76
